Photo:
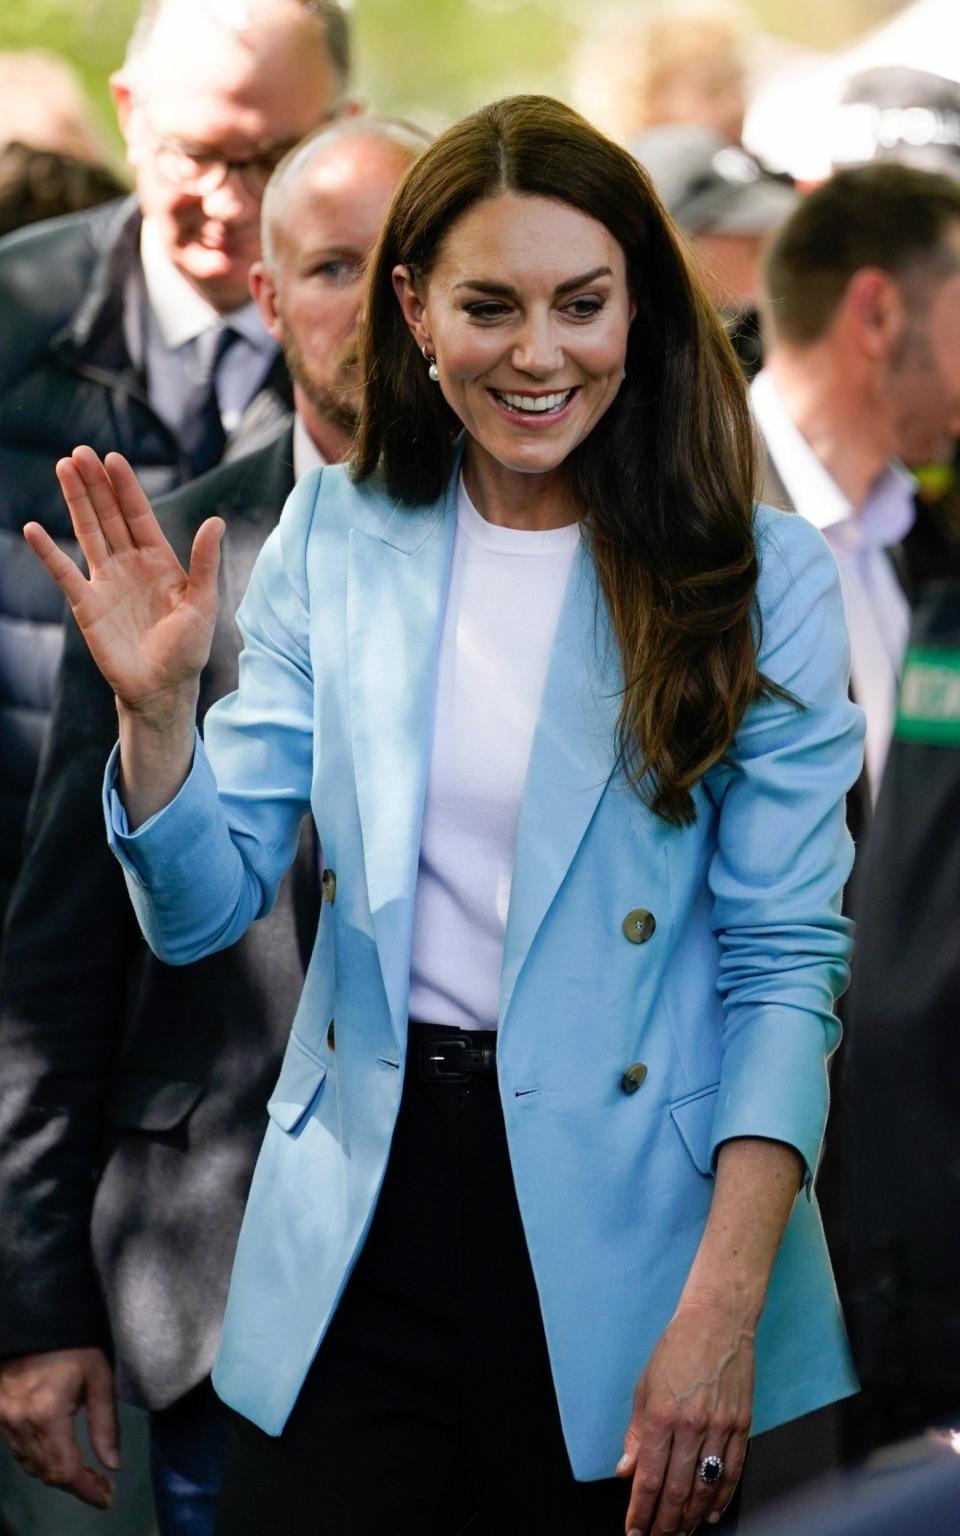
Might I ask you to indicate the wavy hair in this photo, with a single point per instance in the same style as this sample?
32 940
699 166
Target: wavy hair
664 483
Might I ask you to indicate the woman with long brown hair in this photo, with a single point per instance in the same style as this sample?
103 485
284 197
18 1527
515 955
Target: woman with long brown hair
532 1236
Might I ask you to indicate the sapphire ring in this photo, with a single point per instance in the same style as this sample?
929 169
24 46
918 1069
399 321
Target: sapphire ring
710 1469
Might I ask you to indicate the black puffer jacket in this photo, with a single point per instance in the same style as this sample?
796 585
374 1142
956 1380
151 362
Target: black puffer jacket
65 378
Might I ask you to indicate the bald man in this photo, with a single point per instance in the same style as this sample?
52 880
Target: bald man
131 327
134 1093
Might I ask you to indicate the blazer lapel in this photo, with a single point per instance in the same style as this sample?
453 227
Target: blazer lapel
396 590
571 760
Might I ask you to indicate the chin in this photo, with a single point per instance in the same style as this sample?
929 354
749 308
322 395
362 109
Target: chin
221 277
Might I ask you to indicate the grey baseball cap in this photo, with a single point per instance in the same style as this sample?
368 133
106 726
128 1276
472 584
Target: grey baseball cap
709 184
895 113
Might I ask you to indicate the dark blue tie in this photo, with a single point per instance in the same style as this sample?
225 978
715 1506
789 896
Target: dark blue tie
202 438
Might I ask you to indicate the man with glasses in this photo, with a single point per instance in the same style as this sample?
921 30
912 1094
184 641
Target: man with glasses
131 327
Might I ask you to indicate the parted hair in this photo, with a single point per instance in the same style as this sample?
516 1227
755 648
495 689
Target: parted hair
664 482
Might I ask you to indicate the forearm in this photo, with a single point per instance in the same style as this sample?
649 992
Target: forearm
156 751
756 1186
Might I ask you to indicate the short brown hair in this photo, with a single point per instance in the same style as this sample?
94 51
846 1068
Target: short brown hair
893 217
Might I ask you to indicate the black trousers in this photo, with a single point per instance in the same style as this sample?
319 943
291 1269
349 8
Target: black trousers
430 1407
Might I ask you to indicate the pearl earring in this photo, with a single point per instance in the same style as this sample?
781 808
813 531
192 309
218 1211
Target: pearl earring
433 372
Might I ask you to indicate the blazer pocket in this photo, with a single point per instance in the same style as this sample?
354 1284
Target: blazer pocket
140 1101
693 1117
301 1078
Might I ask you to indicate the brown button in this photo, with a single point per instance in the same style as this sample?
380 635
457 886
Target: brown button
639 925
331 1036
634 1077
328 885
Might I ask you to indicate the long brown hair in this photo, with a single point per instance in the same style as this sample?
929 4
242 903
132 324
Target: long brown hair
664 482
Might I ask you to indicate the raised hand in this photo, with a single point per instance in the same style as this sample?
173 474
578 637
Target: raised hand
148 623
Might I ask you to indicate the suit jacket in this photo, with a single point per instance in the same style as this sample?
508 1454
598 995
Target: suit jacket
66 377
903 1062
133 1093
728 1004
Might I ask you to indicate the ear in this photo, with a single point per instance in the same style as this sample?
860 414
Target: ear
264 291
412 305
123 100
875 312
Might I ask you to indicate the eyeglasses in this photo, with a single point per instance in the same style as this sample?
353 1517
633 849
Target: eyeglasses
199 171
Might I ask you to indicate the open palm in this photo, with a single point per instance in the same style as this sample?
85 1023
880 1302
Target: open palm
148 623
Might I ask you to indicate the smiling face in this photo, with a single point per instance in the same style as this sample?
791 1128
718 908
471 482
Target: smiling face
200 92
527 312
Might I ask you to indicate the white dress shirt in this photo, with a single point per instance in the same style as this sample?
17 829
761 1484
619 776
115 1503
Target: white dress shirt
306 454
164 314
878 614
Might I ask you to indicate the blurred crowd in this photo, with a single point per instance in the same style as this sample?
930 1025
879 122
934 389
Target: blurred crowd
197 308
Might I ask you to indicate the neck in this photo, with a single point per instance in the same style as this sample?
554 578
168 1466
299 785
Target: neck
834 406
332 440
513 499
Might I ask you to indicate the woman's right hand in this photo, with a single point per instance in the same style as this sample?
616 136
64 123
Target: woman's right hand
148 623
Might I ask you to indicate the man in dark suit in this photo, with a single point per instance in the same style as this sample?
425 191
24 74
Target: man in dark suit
130 327
134 1093
863 369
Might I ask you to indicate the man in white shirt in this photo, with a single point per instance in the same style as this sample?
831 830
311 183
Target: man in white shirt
134 1092
130 326
863 310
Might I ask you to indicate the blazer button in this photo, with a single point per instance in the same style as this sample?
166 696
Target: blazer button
634 1077
331 1036
328 885
639 925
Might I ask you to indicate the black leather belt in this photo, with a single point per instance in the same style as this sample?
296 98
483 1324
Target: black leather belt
455 1059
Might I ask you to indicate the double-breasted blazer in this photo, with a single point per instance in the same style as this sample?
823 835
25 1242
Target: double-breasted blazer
728 1004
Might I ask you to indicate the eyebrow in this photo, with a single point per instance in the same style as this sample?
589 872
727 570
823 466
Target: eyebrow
504 290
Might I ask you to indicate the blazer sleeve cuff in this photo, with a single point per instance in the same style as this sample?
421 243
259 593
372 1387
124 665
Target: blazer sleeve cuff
757 1096
178 824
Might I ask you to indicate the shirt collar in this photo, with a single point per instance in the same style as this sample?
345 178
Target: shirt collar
888 511
306 454
180 313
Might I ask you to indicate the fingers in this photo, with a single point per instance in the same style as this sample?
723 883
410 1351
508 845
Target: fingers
645 1458
65 572
83 516
102 1423
47 1449
205 559
107 506
712 1506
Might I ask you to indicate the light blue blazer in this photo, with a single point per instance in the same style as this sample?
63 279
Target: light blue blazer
729 1004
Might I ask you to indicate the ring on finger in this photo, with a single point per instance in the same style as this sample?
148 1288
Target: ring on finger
710 1470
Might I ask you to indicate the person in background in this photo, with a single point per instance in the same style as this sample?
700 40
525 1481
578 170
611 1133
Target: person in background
912 117
40 184
676 63
134 1093
132 324
862 311
728 206
43 105
571 808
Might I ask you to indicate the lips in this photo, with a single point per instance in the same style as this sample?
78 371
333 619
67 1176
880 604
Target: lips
534 405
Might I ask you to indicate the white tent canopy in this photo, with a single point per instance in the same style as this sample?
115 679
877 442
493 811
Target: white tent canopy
792 121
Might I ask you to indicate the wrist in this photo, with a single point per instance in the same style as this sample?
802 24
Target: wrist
165 710
736 1299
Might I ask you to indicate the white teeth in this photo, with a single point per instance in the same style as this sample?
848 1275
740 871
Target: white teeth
535 403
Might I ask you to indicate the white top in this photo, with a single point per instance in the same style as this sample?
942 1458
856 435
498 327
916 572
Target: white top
159 334
506 590
878 614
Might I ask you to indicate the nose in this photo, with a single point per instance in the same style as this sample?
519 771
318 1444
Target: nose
230 203
537 350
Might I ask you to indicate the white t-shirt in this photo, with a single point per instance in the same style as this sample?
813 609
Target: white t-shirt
506 590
